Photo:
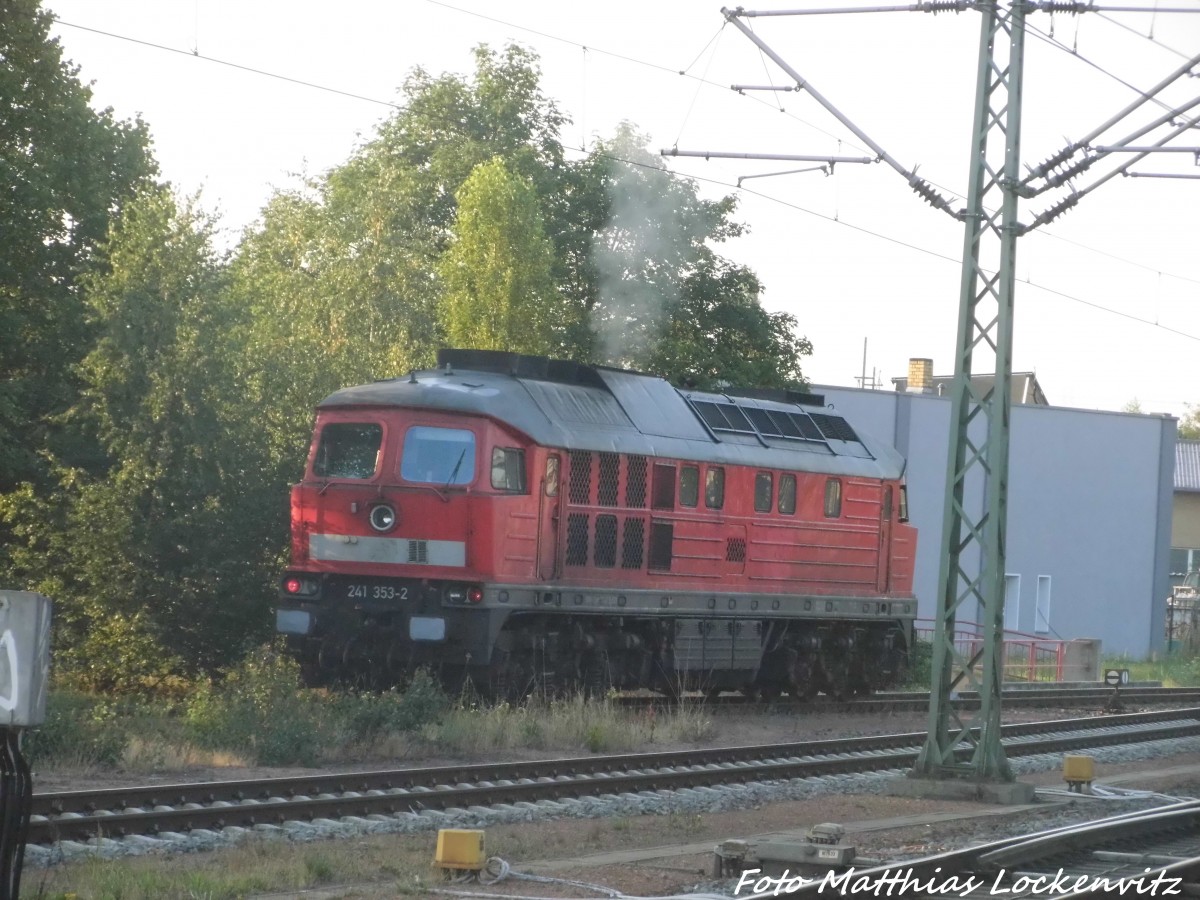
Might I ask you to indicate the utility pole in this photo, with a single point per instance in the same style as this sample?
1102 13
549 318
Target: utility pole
972 562
961 745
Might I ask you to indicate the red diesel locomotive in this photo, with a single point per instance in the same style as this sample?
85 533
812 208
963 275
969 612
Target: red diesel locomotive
534 524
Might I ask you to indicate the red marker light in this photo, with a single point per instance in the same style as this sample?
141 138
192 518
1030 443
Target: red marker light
293 585
474 595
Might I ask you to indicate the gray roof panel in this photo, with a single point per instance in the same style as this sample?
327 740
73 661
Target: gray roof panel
612 410
1187 465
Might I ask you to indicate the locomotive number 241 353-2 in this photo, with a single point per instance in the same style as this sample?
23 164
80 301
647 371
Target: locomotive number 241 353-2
375 592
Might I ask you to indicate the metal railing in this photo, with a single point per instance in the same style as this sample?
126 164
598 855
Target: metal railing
1025 657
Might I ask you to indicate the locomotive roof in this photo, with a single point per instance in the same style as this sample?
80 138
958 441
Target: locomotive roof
577 407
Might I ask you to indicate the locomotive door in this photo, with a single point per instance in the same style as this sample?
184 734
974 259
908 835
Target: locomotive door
885 539
549 515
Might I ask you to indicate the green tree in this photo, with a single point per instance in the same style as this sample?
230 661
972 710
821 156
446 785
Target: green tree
341 276
1189 425
498 292
170 546
65 171
719 334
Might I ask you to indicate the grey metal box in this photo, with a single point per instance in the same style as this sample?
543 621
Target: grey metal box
24 657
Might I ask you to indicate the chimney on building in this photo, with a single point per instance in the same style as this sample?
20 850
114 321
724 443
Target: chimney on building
920 376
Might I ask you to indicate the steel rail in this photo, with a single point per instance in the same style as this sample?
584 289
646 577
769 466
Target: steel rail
1022 850
208 792
919 702
626 773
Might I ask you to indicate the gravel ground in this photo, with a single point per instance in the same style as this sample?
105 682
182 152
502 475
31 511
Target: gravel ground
683 828
878 825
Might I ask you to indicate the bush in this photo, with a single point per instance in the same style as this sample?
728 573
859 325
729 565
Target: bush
79 731
920 666
368 716
261 708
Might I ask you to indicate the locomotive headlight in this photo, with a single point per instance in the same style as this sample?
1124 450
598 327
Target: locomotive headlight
382 517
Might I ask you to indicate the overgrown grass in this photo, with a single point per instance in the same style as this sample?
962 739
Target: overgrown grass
258 714
1173 669
253 867
576 723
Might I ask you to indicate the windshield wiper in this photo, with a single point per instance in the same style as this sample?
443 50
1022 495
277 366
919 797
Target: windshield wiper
457 465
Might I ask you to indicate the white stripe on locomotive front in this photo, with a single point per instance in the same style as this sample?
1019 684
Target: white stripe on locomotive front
393 550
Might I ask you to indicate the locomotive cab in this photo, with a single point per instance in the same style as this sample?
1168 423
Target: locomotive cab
388 526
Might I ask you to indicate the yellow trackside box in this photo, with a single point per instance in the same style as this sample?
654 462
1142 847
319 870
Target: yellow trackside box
1079 769
460 849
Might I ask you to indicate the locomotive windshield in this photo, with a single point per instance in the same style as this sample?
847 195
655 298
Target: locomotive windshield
442 456
348 450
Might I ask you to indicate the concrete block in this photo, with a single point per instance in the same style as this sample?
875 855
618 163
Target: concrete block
1004 793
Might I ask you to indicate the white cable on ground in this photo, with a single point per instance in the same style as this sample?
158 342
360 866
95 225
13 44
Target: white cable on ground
1108 792
496 870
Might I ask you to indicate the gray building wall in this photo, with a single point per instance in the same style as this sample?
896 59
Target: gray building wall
1089 512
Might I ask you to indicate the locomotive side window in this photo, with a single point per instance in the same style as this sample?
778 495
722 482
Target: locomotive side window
552 476
787 494
348 450
764 490
442 456
887 502
689 486
903 517
714 487
508 469
833 498
662 487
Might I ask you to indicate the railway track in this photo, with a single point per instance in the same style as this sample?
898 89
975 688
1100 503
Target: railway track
1152 852
114 813
913 701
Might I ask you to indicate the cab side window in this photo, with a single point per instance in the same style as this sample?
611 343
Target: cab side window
508 469
689 486
787 494
833 498
714 487
764 490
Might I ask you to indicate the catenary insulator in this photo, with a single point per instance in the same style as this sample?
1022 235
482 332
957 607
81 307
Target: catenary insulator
1052 213
925 191
1054 161
1071 171
941 6
1061 6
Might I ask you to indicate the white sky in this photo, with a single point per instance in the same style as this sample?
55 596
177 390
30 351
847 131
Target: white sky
854 256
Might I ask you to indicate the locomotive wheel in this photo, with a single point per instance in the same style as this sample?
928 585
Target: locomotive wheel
806 691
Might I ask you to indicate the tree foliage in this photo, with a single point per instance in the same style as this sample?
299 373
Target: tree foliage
170 541
498 291
1189 425
65 171
156 396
